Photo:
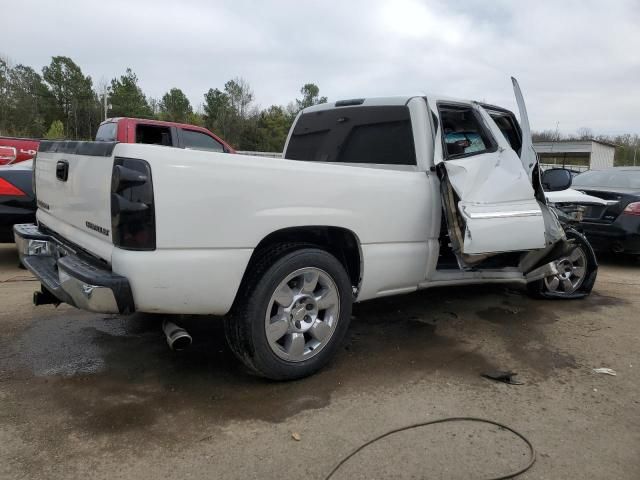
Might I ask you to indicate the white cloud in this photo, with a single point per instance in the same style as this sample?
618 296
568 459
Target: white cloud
578 62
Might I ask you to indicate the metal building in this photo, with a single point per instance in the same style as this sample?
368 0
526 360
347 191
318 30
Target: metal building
576 154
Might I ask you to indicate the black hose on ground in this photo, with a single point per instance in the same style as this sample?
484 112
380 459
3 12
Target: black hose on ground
444 420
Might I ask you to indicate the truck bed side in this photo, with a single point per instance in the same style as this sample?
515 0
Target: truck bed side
213 209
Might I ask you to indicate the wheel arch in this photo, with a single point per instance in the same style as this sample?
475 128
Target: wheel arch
341 242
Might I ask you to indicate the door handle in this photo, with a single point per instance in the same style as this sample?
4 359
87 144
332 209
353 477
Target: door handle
62 170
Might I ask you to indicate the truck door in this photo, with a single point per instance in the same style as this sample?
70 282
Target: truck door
488 196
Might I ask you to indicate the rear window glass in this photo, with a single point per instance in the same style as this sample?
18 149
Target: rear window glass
377 135
608 178
200 141
107 132
154 135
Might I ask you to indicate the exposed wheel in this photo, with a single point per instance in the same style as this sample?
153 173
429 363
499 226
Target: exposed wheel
292 314
576 275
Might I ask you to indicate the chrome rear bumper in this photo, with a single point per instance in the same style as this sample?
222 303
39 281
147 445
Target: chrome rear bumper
69 277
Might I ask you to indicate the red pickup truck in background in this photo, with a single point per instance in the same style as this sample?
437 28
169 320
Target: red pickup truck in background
17 199
127 130
170 134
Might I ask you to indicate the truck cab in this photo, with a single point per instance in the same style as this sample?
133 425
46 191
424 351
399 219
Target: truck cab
157 132
473 151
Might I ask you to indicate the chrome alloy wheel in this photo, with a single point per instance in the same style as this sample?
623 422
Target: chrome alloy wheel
302 314
572 271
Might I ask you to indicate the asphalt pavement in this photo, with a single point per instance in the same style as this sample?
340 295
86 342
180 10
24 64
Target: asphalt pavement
101 396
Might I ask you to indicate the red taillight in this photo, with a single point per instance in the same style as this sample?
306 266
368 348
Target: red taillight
632 209
10 190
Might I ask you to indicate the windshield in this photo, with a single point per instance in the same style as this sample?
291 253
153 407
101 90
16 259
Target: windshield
107 132
613 178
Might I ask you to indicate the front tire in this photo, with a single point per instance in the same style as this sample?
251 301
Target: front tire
577 270
291 314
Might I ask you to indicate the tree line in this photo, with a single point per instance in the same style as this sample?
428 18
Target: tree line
62 101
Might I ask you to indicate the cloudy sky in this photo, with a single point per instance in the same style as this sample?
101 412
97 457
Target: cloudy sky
578 62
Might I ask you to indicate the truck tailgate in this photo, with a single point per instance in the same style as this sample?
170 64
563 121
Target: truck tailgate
73 185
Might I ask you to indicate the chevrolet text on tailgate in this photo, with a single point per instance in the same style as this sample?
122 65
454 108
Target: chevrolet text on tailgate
373 197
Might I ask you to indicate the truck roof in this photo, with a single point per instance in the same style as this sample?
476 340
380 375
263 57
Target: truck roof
150 121
128 121
380 101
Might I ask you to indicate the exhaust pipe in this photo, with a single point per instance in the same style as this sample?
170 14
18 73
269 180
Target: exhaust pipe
45 297
177 337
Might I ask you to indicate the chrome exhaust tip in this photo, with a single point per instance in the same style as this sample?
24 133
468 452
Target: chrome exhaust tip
177 337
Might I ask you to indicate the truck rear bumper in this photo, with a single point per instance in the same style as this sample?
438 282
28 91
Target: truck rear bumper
68 276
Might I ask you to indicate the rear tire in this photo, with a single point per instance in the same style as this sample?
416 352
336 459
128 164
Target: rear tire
577 272
292 312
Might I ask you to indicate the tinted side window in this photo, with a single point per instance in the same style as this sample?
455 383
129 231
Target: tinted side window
107 132
462 132
379 135
200 141
153 134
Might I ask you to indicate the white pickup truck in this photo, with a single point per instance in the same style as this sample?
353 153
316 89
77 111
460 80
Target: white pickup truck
373 197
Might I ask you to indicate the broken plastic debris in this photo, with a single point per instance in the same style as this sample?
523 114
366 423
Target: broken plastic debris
502 376
606 371
296 436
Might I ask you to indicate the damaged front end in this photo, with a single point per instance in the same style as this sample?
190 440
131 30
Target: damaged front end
494 205
565 267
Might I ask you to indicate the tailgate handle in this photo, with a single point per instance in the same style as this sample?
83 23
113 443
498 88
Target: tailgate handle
62 170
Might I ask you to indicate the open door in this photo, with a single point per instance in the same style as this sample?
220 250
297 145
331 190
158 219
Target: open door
528 155
488 185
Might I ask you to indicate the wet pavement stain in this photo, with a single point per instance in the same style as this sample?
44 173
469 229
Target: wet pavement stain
521 321
115 374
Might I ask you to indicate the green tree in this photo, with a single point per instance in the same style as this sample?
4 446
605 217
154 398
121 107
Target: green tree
195 118
5 69
231 109
310 96
126 97
175 106
154 104
32 104
273 127
56 131
74 96
240 96
217 108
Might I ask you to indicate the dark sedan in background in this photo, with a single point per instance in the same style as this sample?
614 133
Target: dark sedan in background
17 201
614 227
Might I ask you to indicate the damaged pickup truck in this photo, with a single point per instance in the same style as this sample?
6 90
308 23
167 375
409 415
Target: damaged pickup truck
373 197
